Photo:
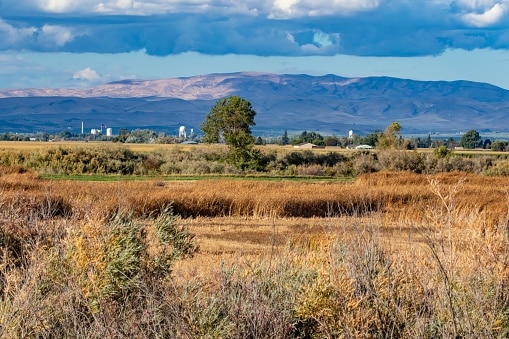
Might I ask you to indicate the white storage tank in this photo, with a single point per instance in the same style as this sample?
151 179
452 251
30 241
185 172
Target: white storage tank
109 132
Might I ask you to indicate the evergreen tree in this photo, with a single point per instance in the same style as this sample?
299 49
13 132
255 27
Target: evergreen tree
470 139
284 139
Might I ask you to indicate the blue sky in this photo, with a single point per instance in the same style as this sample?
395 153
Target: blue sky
81 43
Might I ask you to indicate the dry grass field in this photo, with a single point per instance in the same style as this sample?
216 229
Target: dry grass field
39 145
392 254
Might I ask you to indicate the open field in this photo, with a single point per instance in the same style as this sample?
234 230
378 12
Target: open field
391 254
40 145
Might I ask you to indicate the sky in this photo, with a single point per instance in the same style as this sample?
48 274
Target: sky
82 43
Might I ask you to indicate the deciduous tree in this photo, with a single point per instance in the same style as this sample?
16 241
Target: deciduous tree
230 121
390 137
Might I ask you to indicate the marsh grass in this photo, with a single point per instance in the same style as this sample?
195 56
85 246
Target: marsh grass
392 255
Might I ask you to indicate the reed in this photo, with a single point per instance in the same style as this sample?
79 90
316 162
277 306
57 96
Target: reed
388 255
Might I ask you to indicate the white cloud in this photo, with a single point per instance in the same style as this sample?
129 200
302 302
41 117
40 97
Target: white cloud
285 9
57 35
488 18
320 44
59 6
124 4
48 35
271 8
322 39
94 6
87 74
290 38
476 4
161 7
10 35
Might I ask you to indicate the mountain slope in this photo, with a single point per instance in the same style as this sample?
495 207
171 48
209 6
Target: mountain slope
293 102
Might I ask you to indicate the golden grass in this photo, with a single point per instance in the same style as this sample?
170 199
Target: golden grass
400 196
252 216
376 252
42 145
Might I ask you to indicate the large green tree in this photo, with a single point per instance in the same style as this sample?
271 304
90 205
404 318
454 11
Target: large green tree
230 121
470 139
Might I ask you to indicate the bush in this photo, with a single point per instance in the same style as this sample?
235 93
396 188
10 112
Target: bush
365 162
115 260
312 170
402 161
441 152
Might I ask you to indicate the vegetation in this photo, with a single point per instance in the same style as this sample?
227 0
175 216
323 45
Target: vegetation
415 246
441 152
284 139
390 137
470 139
499 145
391 255
230 120
96 160
309 137
387 140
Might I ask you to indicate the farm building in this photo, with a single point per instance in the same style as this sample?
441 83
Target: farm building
305 145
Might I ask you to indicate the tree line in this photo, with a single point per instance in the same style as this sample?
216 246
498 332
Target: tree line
230 120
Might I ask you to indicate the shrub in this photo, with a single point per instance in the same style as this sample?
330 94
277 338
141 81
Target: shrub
501 168
441 152
401 161
312 170
365 162
113 261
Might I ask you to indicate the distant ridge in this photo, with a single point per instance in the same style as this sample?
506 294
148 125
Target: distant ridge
328 103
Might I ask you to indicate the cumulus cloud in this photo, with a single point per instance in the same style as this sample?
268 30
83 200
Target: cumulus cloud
87 74
303 8
12 37
488 18
45 38
58 6
475 4
256 27
56 35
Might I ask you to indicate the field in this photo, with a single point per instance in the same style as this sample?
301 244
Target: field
387 254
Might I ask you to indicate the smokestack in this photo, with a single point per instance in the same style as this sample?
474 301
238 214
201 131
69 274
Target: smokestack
82 132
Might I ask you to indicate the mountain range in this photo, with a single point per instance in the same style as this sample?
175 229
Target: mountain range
292 102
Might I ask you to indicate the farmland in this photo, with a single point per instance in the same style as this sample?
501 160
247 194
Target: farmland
386 252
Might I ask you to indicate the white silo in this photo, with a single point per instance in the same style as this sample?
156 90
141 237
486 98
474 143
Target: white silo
109 132
182 131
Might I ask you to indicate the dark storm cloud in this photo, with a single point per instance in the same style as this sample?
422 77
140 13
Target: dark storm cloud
266 28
